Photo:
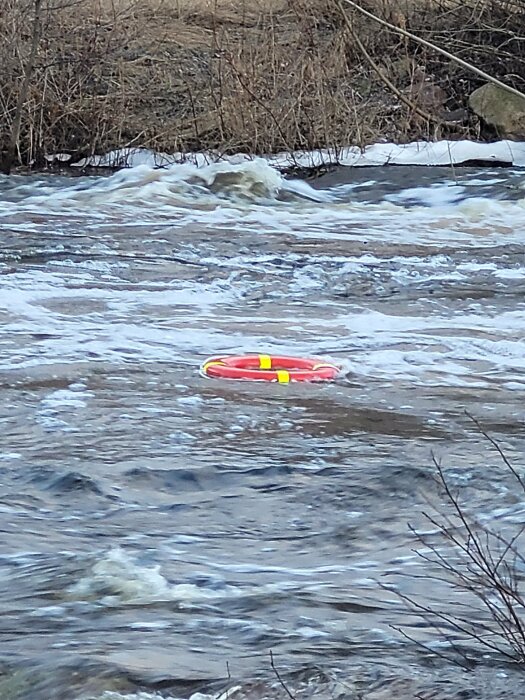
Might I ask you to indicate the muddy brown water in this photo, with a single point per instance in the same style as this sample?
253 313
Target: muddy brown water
162 533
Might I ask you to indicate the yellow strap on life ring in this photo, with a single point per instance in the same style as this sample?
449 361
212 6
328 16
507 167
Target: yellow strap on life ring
210 364
265 362
283 377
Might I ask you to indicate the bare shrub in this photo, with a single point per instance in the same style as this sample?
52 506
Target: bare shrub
479 563
486 34
290 89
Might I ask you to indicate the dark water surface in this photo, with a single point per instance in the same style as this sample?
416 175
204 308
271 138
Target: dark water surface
162 532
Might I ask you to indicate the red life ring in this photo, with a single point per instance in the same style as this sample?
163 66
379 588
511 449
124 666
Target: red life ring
269 368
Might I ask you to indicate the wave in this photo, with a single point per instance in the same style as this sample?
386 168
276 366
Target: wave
179 185
116 579
253 197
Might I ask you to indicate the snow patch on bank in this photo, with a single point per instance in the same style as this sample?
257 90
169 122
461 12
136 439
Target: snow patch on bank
417 153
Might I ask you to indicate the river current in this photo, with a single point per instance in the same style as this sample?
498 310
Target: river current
165 534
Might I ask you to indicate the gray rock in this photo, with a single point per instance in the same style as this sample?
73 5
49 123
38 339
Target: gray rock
500 109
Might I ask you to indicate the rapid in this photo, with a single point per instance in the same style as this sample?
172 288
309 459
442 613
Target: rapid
168 535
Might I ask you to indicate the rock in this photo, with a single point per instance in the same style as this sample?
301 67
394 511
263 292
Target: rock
501 109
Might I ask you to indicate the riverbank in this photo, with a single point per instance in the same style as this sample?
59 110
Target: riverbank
249 76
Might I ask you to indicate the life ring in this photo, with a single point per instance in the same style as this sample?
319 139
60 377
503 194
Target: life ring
269 368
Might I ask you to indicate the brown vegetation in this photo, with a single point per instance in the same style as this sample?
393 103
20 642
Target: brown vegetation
245 75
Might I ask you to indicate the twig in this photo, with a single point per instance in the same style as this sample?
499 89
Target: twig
497 447
278 676
467 664
484 565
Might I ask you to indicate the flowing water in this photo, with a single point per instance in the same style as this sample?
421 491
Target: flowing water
162 532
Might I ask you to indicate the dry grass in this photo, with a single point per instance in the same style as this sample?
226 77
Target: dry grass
249 75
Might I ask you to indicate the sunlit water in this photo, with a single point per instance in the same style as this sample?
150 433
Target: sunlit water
163 532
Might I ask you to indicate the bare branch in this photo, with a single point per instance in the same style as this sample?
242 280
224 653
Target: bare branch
377 69
443 52
279 678
498 449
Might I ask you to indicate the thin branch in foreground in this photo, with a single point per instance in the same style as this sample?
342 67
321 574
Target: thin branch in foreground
279 678
498 449
467 663
480 562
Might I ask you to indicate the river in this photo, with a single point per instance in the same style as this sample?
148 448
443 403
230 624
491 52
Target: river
162 532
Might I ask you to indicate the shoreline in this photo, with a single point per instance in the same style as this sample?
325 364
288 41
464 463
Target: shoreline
307 165
252 76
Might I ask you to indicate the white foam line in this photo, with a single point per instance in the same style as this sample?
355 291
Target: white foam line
27 293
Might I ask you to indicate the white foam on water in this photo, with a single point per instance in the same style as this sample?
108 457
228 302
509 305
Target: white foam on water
437 350
59 407
140 695
476 222
143 695
183 320
116 579
515 273
113 695
247 196
432 347
65 400
27 293
179 185
123 327
434 196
